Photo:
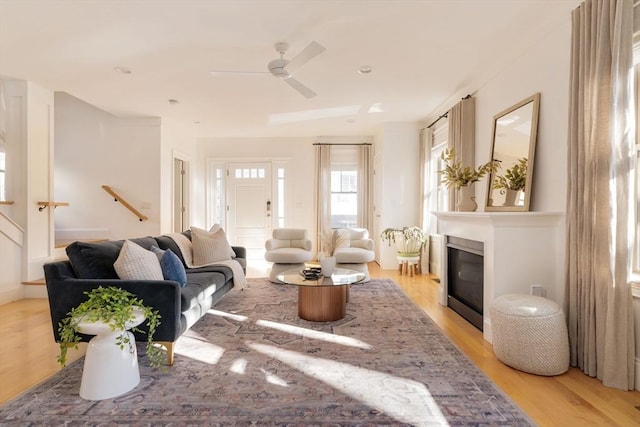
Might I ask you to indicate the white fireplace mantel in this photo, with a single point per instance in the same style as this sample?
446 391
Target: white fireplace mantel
520 249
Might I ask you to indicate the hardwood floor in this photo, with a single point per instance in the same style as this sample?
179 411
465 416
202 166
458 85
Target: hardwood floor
28 356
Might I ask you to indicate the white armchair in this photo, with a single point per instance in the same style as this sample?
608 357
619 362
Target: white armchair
353 249
289 249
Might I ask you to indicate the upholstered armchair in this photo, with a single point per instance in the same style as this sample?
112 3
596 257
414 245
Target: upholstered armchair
353 249
288 249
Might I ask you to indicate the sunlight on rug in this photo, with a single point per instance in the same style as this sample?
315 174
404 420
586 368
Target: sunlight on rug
252 361
406 400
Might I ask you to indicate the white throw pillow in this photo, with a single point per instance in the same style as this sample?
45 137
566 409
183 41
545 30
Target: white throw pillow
216 232
136 263
208 249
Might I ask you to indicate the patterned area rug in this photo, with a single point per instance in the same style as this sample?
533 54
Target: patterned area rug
252 361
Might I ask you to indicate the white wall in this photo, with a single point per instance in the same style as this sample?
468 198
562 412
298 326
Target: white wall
397 160
176 143
543 68
94 148
29 164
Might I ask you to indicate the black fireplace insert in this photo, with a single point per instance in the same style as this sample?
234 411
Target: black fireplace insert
465 278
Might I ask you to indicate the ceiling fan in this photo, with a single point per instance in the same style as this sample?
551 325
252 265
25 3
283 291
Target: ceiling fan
284 69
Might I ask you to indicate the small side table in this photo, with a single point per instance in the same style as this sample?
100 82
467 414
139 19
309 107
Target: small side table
408 264
108 370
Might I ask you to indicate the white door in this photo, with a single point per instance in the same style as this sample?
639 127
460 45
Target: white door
249 206
180 180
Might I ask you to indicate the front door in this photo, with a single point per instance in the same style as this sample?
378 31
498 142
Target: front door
249 206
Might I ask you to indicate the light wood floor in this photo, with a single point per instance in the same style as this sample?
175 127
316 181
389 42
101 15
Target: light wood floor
28 356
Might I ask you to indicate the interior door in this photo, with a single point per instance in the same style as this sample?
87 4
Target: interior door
249 206
180 180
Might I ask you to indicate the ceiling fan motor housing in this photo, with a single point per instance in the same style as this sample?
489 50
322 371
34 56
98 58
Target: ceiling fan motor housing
277 68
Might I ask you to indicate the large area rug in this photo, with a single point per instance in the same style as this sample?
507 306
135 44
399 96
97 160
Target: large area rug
252 361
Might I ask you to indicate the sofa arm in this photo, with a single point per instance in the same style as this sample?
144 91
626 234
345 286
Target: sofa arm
241 252
67 292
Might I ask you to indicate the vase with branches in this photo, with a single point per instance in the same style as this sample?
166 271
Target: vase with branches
457 176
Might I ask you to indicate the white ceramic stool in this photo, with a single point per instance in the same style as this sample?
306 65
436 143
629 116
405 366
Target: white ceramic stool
108 370
529 333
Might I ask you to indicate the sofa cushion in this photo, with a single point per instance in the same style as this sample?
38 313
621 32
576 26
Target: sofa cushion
167 243
200 285
137 263
172 267
92 260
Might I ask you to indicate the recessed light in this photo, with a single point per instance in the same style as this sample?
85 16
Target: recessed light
174 101
365 69
351 120
122 70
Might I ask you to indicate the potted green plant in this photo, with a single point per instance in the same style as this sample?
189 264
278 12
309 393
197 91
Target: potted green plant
408 240
457 176
115 307
461 177
513 180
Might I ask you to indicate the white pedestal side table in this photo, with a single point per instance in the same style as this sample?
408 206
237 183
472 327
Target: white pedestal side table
109 371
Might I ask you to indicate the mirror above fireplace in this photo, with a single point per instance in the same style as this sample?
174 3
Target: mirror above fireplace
513 147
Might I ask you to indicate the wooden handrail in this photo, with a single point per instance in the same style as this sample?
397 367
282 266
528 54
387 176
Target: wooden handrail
6 202
44 205
117 198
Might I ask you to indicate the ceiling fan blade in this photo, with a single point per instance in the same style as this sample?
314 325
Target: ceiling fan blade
309 52
217 72
304 91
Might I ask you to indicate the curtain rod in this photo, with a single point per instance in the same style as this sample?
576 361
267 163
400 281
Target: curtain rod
446 113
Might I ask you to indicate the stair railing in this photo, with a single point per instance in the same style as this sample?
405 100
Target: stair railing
117 198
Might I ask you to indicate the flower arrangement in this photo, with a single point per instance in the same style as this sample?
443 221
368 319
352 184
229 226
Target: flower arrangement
408 240
457 176
114 306
514 178
326 242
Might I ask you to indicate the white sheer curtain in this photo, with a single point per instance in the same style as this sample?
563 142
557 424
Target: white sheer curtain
462 137
365 193
323 191
426 141
598 301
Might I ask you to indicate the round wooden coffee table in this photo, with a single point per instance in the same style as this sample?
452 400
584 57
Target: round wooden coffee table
325 299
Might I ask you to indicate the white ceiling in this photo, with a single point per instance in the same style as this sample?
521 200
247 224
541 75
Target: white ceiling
423 54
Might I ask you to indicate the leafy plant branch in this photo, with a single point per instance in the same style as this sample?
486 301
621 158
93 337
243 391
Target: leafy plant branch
514 178
115 307
457 176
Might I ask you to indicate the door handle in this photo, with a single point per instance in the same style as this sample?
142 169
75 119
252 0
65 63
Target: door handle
268 207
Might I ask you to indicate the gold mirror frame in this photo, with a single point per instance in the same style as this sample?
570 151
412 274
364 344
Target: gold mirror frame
513 145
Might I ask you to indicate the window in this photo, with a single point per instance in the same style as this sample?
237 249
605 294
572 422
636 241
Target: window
280 211
344 198
440 199
215 208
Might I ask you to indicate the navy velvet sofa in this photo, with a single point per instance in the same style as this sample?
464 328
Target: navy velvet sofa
91 265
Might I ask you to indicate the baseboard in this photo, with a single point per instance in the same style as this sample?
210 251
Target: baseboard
11 294
35 292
